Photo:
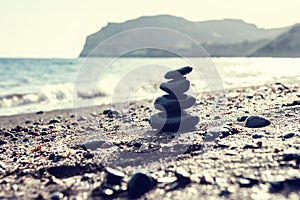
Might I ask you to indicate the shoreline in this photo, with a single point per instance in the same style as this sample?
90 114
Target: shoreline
292 83
241 163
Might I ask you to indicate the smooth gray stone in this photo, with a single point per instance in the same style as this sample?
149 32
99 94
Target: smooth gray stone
175 74
139 184
173 124
256 122
175 88
172 105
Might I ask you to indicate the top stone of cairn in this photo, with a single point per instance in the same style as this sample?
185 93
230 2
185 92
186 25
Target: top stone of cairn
175 74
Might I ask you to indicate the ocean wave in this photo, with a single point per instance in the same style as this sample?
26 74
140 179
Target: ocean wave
47 94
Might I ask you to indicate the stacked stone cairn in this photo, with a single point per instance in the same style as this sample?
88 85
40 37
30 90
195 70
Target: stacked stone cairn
172 117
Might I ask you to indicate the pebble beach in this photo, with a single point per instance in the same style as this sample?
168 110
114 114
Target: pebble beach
103 152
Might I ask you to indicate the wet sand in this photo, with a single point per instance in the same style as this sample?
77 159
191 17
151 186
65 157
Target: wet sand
63 154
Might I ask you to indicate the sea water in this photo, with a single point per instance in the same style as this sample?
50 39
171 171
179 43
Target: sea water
31 85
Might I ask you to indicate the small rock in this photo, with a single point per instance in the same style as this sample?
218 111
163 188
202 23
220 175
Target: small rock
183 177
257 136
242 118
39 112
111 113
54 156
93 145
291 156
2 142
137 144
139 184
8 134
114 176
276 186
53 121
288 135
256 122
295 103
105 112
224 193
88 155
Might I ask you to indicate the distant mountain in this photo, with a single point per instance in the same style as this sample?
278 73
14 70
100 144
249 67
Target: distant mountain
226 37
286 45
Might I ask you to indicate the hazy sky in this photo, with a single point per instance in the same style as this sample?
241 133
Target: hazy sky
58 28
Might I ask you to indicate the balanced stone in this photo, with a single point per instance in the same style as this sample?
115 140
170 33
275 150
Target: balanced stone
183 123
173 117
171 104
175 74
175 87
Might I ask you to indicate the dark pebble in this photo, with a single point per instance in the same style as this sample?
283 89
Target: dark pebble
45 139
291 156
88 155
2 142
14 139
183 177
288 135
105 112
224 193
8 134
114 176
54 157
17 128
44 133
137 144
295 103
53 121
257 136
256 122
39 112
242 118
111 113
139 184
276 186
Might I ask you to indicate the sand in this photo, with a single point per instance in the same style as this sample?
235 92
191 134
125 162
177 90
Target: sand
43 156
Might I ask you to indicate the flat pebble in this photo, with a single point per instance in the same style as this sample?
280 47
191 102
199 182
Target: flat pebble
256 122
257 136
288 135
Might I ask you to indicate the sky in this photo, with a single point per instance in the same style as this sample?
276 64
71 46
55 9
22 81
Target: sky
58 28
